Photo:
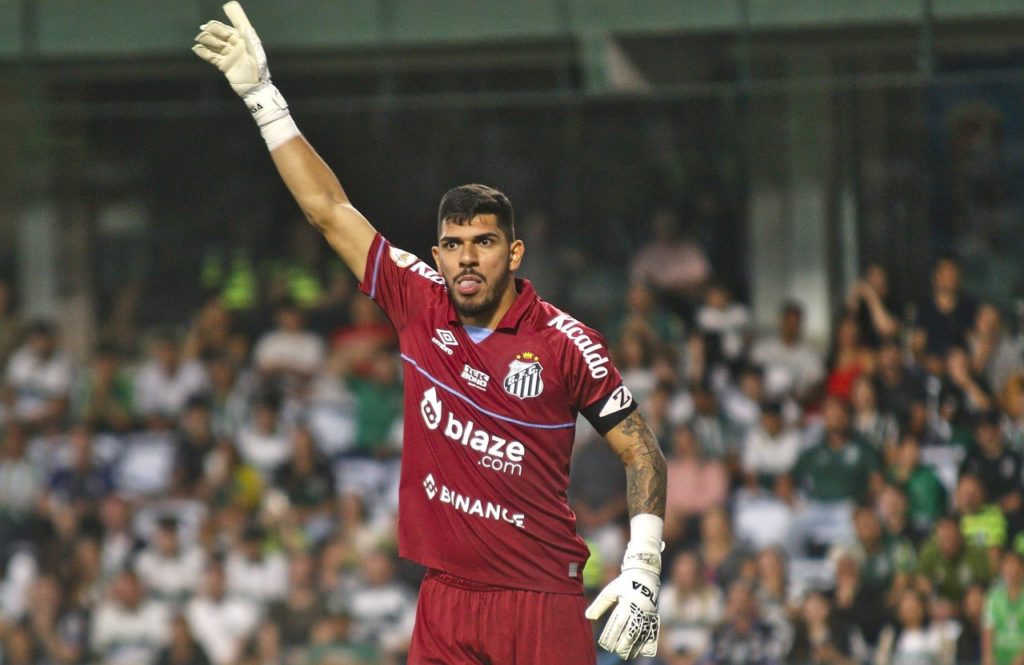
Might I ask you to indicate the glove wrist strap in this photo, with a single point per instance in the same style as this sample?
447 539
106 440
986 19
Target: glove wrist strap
645 544
270 111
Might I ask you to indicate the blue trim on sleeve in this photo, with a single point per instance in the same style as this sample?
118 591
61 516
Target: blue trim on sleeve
376 269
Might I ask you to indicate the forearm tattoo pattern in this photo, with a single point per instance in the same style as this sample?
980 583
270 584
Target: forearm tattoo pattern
645 469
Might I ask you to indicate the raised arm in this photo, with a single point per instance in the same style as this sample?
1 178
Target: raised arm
632 629
236 51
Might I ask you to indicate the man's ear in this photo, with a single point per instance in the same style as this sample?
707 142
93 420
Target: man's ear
436 252
515 254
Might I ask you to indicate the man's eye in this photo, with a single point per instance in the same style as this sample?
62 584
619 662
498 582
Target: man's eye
450 244
486 241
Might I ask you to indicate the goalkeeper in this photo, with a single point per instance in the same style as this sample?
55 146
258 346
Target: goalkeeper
494 378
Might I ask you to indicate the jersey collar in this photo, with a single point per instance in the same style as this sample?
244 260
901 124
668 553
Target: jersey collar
525 297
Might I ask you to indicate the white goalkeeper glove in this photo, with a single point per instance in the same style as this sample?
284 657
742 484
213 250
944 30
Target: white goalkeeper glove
237 51
632 629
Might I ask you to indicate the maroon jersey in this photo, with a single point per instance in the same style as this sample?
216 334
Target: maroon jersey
489 428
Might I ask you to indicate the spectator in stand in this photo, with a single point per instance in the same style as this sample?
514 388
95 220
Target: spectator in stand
289 353
38 378
695 486
716 435
968 642
848 361
886 561
264 442
898 387
84 481
382 609
220 623
169 571
998 469
981 522
182 647
925 493
10 322
770 451
854 603
643 313
253 571
58 628
597 494
743 638
875 309
832 476
910 639
103 397
228 397
195 441
771 587
20 485
300 609
725 327
634 356
672 263
690 608
995 355
307 482
948 564
1012 404
128 629
723 556
165 382
1003 618
820 637
946 316
872 425
792 365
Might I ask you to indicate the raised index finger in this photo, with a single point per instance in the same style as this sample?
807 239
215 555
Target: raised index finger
237 16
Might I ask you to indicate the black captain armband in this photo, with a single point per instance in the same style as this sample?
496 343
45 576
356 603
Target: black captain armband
606 413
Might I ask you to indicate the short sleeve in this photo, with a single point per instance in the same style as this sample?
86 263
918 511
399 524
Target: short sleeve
594 385
399 282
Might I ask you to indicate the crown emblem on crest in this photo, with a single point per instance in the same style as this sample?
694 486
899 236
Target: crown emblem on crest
528 356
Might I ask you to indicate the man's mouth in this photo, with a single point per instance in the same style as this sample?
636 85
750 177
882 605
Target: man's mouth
468 285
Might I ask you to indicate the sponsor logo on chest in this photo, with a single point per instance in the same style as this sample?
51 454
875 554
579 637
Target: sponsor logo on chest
524 376
496 453
444 340
475 377
479 508
591 350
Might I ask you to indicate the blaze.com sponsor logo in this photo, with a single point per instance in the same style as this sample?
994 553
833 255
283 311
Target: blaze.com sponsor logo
496 453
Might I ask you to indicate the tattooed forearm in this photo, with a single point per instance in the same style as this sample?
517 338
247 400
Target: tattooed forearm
645 468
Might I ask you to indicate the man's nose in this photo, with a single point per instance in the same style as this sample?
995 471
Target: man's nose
468 257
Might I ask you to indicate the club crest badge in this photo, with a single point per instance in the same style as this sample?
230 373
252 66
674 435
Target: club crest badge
524 379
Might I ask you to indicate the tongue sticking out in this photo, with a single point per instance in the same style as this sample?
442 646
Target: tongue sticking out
468 287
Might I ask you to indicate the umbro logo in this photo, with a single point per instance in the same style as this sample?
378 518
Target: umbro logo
444 340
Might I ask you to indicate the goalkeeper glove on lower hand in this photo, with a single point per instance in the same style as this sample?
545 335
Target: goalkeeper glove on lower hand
633 626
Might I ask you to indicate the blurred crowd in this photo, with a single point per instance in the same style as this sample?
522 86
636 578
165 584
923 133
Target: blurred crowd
225 491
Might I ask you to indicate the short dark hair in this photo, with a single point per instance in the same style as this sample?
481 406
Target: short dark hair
461 204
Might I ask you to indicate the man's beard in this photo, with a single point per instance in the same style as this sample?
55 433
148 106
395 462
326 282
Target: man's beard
479 306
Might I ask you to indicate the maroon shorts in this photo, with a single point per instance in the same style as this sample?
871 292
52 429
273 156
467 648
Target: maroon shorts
459 622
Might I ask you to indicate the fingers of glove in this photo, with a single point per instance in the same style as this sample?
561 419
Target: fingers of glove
236 15
601 604
213 43
218 30
206 54
614 631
